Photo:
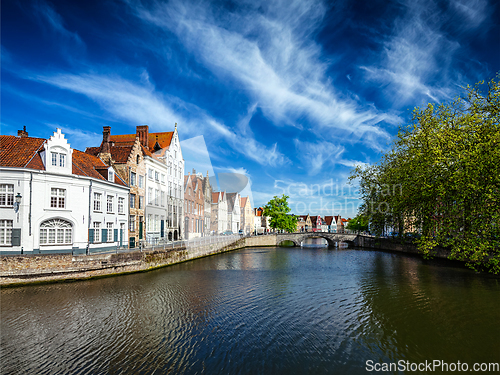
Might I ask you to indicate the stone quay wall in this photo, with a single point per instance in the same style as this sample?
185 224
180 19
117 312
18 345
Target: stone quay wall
17 270
21 270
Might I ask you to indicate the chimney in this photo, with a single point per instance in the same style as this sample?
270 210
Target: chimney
22 133
106 140
142 132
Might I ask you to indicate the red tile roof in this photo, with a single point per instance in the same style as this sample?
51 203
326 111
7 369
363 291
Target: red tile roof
163 139
328 220
243 201
20 151
24 152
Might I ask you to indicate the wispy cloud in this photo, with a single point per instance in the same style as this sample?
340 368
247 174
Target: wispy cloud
268 50
417 59
138 102
48 16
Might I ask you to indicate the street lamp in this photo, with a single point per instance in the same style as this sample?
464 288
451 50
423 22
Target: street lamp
17 202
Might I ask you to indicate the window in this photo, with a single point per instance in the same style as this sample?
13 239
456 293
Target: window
157 176
141 201
97 202
121 203
57 198
6 195
137 159
150 195
162 178
131 223
157 198
56 232
132 200
150 174
157 221
141 181
163 199
97 232
6 232
170 188
110 203
109 227
149 223
132 179
111 176
60 157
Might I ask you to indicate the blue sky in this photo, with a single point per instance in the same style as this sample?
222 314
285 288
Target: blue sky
292 94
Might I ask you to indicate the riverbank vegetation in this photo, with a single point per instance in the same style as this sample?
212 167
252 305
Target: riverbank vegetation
279 212
440 181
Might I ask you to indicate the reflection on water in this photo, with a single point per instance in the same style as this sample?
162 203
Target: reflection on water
314 242
262 310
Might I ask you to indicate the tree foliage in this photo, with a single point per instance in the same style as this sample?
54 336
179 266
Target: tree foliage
277 209
442 179
358 224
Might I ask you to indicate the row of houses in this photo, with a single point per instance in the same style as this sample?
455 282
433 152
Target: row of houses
129 190
330 224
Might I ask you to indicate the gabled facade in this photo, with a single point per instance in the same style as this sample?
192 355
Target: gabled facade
233 212
69 201
331 224
194 210
219 223
246 215
207 203
153 166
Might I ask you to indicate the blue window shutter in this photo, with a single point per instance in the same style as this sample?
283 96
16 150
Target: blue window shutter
104 237
116 235
16 237
91 236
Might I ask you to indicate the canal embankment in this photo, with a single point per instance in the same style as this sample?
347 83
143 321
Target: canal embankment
18 270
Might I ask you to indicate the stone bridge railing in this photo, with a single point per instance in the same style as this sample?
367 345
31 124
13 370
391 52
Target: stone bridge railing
331 238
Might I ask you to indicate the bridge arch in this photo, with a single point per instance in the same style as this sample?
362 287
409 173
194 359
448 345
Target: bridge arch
331 238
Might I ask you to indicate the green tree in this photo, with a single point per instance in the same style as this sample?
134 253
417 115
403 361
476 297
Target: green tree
358 224
277 209
441 178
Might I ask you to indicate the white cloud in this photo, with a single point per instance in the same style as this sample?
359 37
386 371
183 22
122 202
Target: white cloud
140 103
269 50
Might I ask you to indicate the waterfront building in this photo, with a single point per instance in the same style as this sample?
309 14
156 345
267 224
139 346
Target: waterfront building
233 212
331 224
306 223
264 220
246 215
207 203
153 166
218 220
55 199
126 155
194 210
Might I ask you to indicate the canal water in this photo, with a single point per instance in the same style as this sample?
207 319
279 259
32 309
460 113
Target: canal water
256 311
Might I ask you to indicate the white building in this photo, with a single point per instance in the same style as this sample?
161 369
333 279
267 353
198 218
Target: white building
233 212
219 223
69 201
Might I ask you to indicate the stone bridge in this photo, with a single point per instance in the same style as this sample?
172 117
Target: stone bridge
331 238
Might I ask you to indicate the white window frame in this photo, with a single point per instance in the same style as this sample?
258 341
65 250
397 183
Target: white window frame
121 205
97 202
109 203
131 223
109 227
57 198
97 232
55 232
6 232
6 195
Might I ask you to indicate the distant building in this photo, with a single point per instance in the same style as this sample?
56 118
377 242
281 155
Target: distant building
331 224
194 209
247 215
219 218
233 212
55 199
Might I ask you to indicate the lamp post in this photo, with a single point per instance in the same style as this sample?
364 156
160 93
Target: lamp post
17 202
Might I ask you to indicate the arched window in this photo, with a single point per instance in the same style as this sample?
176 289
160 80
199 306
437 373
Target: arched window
56 232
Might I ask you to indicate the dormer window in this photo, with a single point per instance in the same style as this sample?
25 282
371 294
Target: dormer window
58 159
111 176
